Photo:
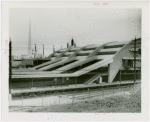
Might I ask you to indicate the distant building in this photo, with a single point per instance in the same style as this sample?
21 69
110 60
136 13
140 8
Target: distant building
16 61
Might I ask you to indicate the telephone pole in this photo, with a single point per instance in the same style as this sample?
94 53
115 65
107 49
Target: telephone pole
35 50
135 60
10 69
53 49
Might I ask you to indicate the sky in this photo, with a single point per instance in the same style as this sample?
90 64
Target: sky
58 26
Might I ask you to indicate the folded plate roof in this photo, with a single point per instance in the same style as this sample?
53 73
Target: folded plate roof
117 43
74 64
104 56
75 48
57 64
85 52
109 50
93 66
69 53
92 46
81 57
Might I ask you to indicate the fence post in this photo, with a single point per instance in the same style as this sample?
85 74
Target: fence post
103 93
124 92
22 100
42 100
73 99
113 92
59 99
89 94
54 102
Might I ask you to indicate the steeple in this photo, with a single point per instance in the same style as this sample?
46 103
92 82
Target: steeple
29 38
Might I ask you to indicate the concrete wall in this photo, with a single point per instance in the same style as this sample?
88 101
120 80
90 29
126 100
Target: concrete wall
16 64
117 63
27 83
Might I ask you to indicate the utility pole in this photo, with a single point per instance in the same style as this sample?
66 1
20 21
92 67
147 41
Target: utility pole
134 60
10 68
67 45
53 49
32 52
35 50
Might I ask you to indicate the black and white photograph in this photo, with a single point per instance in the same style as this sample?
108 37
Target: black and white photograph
75 60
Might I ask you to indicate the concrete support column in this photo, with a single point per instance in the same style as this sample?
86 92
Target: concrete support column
63 81
112 72
76 81
32 83
100 80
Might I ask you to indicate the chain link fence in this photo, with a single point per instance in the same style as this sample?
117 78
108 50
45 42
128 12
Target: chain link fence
59 98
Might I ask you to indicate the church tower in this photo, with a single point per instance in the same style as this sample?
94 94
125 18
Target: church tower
29 39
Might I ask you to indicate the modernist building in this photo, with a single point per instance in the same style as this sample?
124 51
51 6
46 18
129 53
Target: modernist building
95 63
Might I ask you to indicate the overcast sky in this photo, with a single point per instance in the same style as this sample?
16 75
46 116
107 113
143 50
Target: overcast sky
57 27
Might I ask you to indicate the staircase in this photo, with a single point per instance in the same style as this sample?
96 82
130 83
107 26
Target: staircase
95 77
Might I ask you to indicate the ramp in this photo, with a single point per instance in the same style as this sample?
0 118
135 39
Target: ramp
95 77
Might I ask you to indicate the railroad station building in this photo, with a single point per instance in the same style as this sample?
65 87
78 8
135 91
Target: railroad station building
92 64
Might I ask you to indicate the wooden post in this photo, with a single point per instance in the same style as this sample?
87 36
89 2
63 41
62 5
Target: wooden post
54 101
124 92
42 100
10 69
73 99
89 94
22 100
134 61
59 99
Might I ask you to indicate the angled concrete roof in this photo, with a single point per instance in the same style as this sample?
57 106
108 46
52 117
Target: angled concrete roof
69 58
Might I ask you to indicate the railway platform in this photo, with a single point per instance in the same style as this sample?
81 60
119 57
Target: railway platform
69 87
